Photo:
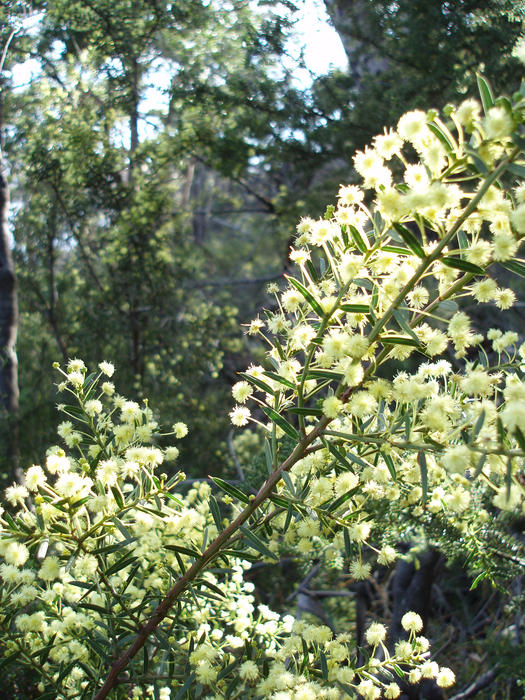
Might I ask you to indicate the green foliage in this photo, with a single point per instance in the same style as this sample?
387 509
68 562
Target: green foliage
361 470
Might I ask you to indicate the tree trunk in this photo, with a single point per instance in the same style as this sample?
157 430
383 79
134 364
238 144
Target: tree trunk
8 329
353 21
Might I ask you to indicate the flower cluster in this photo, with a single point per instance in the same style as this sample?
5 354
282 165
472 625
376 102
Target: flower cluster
98 546
387 277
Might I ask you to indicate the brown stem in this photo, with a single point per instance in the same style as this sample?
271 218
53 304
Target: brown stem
211 552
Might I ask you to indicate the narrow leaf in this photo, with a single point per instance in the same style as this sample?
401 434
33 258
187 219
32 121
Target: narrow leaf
306 294
404 325
122 563
358 239
277 378
464 265
487 98
216 513
256 381
185 687
409 239
516 169
421 459
281 422
195 554
257 543
439 134
520 438
355 308
516 266
399 340
231 490
305 411
324 374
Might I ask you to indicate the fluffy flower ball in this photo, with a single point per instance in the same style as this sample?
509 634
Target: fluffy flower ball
412 622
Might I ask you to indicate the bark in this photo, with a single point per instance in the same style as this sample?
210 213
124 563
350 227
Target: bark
8 329
353 21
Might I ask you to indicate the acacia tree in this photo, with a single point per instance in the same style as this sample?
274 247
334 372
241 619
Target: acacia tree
152 582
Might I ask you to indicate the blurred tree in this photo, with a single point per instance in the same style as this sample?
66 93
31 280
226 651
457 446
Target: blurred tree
119 191
160 160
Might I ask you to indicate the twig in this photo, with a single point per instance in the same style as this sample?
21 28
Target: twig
208 555
482 682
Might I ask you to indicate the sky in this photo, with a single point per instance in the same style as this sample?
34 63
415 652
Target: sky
322 46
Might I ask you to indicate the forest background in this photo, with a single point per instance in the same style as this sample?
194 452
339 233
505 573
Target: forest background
146 234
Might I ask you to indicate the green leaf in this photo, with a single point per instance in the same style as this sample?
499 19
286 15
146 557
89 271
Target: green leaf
375 297
281 422
396 249
269 456
195 554
231 490
107 549
447 308
257 382
212 587
182 690
519 140
12 525
464 265
305 411
238 554
398 670
399 340
289 483
257 543
277 378
479 578
390 464
478 162
280 501
402 319
313 272
289 515
215 512
516 266
348 545
173 498
479 466
324 374
485 92
306 294
478 425
355 308
334 505
343 457
422 461
324 665
463 242
441 136
520 438
358 239
131 576
409 239
516 169
118 497
122 563
95 608
123 530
